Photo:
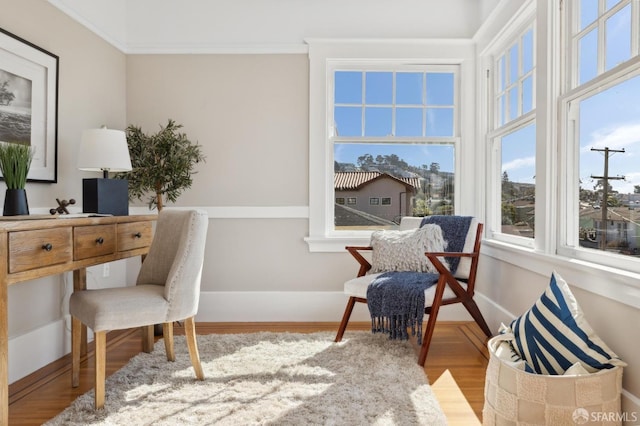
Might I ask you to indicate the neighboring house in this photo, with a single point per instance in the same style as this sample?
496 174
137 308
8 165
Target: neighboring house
622 225
375 193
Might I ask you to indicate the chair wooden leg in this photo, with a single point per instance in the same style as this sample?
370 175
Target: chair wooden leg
167 333
345 318
100 340
473 309
192 344
431 324
426 339
148 338
76 343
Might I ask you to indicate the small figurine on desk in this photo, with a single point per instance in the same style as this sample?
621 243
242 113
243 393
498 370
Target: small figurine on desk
62 206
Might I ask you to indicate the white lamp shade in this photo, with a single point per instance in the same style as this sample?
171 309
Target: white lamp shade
104 150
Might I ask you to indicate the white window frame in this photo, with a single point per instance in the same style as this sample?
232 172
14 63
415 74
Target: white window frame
323 53
523 22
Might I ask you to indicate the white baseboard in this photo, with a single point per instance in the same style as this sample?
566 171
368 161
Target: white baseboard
291 306
494 314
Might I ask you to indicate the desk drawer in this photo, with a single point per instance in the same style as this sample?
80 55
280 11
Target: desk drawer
134 235
93 241
39 248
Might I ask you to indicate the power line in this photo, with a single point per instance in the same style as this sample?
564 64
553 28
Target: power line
605 191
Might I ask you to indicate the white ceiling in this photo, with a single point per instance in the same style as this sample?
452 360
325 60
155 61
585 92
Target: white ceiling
203 26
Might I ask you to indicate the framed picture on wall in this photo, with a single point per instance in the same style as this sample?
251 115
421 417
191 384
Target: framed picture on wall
29 102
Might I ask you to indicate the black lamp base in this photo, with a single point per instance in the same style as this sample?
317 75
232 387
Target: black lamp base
105 196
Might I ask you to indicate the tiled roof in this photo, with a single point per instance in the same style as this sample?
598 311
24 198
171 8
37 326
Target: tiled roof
354 180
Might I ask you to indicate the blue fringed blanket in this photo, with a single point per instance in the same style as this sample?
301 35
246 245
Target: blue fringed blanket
396 299
396 303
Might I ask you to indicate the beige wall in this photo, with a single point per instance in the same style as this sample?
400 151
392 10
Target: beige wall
249 113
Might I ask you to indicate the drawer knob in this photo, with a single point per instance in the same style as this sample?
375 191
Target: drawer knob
137 235
99 240
47 247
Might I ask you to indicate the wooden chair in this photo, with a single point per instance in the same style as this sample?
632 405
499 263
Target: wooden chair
167 290
450 288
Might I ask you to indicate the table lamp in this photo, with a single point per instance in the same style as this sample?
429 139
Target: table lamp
104 150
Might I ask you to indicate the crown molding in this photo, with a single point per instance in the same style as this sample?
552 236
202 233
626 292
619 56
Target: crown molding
221 49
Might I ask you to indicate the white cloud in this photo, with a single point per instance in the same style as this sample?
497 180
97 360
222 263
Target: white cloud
618 138
519 163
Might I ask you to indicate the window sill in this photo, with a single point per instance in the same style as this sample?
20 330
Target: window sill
335 244
616 284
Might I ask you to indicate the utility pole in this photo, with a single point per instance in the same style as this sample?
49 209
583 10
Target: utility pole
605 191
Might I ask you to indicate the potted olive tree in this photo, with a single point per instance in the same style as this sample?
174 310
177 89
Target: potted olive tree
15 161
162 164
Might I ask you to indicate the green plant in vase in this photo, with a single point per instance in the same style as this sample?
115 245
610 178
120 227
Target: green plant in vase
15 162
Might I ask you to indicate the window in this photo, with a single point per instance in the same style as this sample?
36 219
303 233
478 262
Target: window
602 123
352 201
385 121
393 135
340 200
512 138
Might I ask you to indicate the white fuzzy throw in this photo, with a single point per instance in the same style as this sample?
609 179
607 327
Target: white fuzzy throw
404 250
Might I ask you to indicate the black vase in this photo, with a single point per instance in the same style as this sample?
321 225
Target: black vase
15 202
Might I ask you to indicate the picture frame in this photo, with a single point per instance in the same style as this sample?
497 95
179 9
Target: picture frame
29 102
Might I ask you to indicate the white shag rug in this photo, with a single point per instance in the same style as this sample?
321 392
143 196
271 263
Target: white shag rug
268 379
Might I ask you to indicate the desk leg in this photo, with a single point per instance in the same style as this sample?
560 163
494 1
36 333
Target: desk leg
76 328
79 284
4 355
4 331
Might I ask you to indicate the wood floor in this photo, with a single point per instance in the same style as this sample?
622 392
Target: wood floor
455 367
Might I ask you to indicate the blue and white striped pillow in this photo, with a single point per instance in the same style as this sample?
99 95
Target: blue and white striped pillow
553 335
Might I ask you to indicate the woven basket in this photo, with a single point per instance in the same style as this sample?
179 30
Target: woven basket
515 397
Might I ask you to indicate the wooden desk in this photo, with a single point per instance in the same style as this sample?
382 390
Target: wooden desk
32 248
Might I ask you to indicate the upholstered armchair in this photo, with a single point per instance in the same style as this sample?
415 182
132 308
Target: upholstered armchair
167 290
451 287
